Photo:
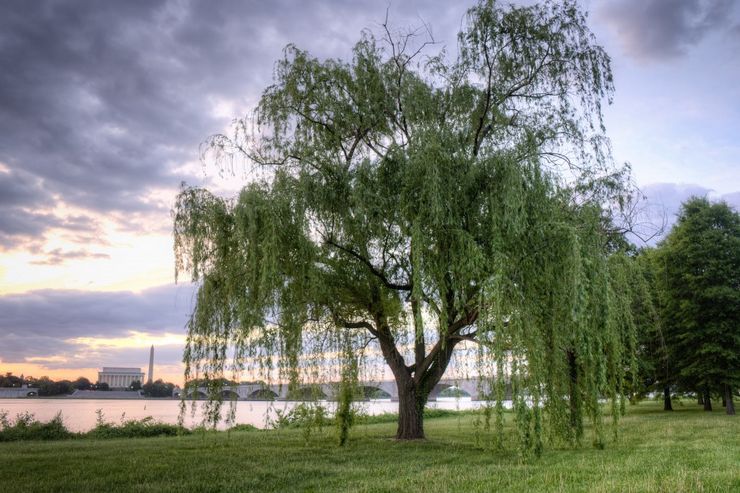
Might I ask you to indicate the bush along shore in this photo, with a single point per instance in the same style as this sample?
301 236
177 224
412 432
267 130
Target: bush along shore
25 426
307 417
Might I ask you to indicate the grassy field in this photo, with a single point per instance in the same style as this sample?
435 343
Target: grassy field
684 451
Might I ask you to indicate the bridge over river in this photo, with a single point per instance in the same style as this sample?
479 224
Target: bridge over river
473 388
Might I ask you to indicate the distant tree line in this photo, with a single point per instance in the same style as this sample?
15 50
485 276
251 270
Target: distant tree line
10 380
48 387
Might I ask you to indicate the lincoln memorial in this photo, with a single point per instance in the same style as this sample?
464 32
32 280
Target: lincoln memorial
120 378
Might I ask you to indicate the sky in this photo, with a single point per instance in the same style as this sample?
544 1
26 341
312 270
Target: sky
103 106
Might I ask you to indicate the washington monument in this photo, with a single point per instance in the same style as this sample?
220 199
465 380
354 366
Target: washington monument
150 376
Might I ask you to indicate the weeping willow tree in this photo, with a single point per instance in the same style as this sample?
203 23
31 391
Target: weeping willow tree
401 205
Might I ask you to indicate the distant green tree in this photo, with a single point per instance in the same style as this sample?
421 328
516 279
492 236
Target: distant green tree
223 382
82 383
698 268
158 388
10 380
48 387
101 386
135 385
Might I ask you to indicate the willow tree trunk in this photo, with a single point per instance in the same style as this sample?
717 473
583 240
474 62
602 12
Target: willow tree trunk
730 407
411 404
699 398
574 397
416 382
707 400
667 399
414 390
411 395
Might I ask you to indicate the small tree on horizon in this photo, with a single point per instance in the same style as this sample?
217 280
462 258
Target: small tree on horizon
401 206
82 383
158 388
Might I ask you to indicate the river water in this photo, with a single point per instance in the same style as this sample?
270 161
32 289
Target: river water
81 414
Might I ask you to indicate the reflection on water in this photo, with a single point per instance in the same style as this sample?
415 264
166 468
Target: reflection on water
80 414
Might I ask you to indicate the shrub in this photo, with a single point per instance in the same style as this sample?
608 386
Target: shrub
307 417
244 427
27 427
134 428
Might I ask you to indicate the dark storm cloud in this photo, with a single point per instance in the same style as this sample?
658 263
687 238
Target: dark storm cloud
21 189
73 313
101 101
38 323
85 103
661 29
21 192
22 196
19 227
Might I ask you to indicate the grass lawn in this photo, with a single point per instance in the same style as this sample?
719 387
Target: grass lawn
687 450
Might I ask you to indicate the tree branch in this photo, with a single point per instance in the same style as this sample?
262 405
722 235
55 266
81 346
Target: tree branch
389 284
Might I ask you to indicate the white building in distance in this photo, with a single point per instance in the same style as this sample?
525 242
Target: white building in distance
120 378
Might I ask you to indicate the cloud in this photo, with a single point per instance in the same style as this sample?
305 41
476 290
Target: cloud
66 356
733 200
67 330
20 193
57 256
83 107
21 189
663 202
48 323
102 103
23 223
19 227
664 29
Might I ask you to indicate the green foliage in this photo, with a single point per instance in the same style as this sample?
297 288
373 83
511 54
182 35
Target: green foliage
453 392
133 428
654 371
158 388
10 380
243 427
402 209
308 417
345 414
303 415
82 383
698 271
48 387
27 427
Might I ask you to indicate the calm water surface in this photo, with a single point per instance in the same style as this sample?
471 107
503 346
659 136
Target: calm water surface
80 414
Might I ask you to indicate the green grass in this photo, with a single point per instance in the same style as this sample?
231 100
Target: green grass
684 451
